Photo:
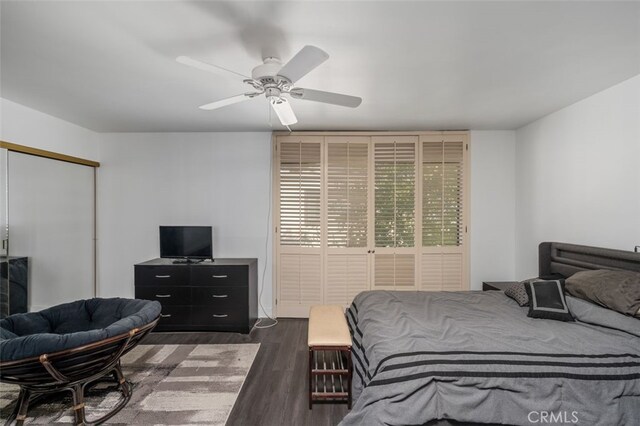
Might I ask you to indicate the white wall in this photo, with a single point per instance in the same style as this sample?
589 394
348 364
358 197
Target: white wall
25 126
578 175
492 223
147 180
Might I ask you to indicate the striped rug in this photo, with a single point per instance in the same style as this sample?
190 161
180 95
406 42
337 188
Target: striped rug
173 385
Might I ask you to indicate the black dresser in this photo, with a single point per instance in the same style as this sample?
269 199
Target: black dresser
210 296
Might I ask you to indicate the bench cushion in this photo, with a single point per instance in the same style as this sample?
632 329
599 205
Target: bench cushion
328 326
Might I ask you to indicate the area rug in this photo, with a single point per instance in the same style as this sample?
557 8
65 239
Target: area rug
173 385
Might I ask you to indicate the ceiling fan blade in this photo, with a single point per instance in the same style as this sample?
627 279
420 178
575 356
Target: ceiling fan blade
215 69
307 59
326 97
283 110
227 101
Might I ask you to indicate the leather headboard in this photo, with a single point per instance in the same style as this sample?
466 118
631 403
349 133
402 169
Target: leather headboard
567 259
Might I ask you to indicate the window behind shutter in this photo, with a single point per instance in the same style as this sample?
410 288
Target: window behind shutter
300 167
347 192
395 167
442 193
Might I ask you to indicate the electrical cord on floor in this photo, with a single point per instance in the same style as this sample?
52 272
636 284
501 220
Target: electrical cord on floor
266 255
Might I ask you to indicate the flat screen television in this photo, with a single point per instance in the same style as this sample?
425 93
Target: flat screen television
186 242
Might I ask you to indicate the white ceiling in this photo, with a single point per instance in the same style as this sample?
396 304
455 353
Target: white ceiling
110 66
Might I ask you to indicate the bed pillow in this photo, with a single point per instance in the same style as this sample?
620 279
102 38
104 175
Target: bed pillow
546 300
517 292
616 290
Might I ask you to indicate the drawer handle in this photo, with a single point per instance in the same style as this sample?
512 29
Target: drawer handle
165 316
163 295
219 276
163 276
220 295
220 316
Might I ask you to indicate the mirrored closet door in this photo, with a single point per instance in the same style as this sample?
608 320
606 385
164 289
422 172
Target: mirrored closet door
5 290
50 213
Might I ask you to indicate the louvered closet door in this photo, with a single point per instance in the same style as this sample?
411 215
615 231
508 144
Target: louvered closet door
299 212
347 213
394 209
444 237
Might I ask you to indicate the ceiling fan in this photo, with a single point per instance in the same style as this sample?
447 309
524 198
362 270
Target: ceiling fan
276 82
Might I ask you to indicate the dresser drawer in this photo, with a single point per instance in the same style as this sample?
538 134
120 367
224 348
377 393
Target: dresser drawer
218 316
166 295
161 275
219 275
174 315
220 296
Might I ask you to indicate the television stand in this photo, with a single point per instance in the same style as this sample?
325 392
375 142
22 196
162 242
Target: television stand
187 261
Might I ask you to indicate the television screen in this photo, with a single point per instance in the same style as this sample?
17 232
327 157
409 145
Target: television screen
186 242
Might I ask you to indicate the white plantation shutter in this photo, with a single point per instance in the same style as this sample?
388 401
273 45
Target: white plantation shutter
394 271
300 166
442 272
299 228
300 281
347 192
442 260
394 160
347 219
356 212
347 275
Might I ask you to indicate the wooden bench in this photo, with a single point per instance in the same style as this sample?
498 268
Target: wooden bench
330 366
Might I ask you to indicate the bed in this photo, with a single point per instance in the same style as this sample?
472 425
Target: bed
475 357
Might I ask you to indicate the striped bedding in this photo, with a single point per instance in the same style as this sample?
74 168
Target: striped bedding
476 357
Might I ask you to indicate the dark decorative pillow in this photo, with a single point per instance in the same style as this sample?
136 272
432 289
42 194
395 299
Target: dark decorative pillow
517 292
617 290
546 300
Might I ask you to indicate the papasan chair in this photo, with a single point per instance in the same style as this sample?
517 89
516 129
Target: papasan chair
71 346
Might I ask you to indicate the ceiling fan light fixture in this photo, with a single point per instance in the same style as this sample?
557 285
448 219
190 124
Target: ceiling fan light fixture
283 110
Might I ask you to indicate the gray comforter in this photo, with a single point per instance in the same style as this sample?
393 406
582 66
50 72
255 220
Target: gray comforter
476 357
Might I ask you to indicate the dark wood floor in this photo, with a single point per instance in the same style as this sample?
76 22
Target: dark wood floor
275 391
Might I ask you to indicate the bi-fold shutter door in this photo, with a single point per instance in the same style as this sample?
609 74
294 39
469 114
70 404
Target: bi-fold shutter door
443 213
357 212
300 209
347 224
394 164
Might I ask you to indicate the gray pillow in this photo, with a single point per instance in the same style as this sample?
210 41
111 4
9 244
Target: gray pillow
517 292
616 290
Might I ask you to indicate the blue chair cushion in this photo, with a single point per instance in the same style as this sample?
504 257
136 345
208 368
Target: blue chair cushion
71 325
